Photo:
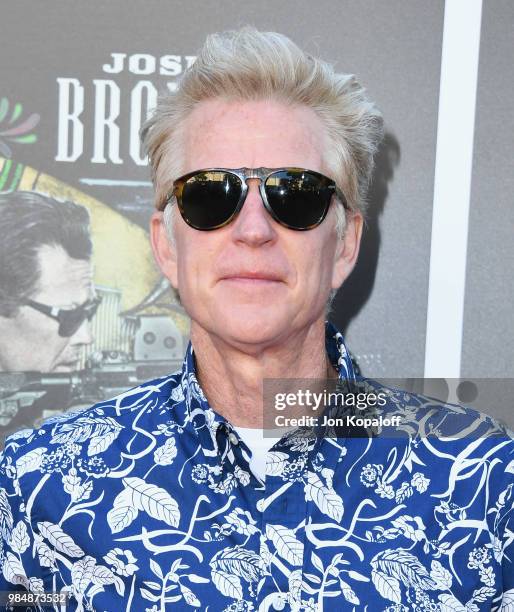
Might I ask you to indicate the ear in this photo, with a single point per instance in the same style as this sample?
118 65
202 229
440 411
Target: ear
163 250
347 249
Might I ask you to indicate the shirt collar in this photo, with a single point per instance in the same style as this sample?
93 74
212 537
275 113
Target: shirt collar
209 425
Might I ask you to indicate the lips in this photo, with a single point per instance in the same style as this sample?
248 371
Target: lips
252 276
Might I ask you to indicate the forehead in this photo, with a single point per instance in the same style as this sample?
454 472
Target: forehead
62 279
232 134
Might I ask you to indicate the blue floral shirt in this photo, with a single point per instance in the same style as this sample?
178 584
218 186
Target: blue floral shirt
146 502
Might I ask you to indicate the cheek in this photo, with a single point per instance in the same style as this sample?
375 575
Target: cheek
315 262
193 263
42 334
196 258
40 345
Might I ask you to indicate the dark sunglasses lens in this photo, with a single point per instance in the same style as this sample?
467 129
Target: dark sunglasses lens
70 321
299 198
209 199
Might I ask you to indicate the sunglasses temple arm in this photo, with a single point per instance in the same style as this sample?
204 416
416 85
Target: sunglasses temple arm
340 196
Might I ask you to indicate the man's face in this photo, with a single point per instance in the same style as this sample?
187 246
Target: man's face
215 271
30 340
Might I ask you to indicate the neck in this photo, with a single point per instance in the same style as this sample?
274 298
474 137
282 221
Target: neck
231 376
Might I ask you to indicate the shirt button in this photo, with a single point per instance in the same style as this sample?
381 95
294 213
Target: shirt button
233 438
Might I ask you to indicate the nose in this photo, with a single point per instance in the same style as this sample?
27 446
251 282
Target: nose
253 225
83 335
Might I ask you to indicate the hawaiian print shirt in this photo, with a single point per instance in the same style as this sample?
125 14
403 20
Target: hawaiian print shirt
147 503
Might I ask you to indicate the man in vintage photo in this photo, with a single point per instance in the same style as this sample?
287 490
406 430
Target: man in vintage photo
46 283
168 496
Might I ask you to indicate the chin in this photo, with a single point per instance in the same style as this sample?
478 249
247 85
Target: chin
252 328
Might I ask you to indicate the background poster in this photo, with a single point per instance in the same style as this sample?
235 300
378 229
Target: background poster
77 82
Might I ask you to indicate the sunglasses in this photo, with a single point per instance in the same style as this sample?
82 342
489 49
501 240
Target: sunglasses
70 319
295 197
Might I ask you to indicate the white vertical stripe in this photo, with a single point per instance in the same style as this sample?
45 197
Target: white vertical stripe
454 156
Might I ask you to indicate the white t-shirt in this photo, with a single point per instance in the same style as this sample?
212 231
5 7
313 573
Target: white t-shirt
259 445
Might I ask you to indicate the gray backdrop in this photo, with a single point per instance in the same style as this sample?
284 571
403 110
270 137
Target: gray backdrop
488 339
395 49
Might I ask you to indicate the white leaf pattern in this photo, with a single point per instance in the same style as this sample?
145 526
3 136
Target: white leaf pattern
150 596
440 575
295 585
327 500
30 462
103 575
120 517
387 586
165 454
122 513
98 444
6 519
348 592
155 501
155 567
403 566
240 562
13 570
316 561
227 584
275 463
119 585
20 540
286 543
189 597
508 601
82 573
60 540
85 428
45 554
450 604
357 576
76 431
197 579
483 594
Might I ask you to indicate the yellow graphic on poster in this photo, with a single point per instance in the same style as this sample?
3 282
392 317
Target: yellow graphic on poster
122 256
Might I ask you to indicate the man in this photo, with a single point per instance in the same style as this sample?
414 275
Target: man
158 499
46 301
46 283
